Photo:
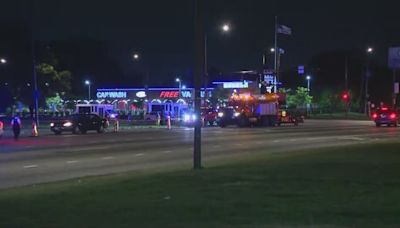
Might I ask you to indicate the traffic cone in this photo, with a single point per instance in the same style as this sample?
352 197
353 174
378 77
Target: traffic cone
169 122
35 132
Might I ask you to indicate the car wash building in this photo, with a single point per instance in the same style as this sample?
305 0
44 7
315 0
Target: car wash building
172 101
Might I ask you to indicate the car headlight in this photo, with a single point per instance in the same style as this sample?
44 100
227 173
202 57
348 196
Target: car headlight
237 114
220 114
186 117
194 117
67 124
52 125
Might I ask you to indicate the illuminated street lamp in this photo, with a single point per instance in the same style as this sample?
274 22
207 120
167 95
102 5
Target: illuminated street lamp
226 27
136 56
183 86
370 51
3 61
179 81
308 83
88 83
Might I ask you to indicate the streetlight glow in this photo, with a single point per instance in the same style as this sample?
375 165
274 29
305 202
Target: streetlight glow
308 77
136 56
3 60
370 50
184 87
226 28
272 50
88 83
178 80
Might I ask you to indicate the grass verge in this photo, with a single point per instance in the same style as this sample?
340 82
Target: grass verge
354 186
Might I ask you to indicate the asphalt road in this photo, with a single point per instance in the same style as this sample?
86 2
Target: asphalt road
51 158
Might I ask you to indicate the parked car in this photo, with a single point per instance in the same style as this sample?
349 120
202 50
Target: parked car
386 116
79 123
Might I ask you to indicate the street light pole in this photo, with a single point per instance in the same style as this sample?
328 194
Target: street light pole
180 86
88 83
367 75
198 73
308 83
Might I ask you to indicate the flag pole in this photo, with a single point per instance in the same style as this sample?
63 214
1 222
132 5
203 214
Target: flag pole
276 56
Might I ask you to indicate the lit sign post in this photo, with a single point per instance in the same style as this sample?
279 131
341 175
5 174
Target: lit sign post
112 95
236 85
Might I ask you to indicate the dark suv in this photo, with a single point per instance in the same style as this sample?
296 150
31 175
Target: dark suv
79 123
386 116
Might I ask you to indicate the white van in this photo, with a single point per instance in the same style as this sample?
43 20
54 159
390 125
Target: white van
102 110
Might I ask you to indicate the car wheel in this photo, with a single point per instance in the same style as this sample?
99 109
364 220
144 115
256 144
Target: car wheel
83 131
75 130
100 130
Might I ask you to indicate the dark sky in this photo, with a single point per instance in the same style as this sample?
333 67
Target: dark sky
163 30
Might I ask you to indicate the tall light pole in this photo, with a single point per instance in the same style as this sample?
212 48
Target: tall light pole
88 83
225 28
178 80
370 51
308 77
277 65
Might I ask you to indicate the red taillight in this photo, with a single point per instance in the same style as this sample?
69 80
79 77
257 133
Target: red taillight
393 116
375 116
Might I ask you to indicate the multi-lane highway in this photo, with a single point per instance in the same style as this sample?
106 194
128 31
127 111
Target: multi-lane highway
51 158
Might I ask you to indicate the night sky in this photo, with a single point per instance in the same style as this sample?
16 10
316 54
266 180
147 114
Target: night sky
162 31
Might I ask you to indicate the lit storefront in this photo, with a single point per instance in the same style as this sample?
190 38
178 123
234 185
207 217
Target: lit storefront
140 100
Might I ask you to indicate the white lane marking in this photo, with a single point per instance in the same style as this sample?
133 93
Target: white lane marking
238 144
276 141
139 155
293 140
167 152
312 139
107 158
72 162
259 143
354 138
30 166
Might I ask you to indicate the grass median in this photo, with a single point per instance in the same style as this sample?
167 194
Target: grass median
354 186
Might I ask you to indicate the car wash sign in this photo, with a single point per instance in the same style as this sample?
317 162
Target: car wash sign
394 58
112 95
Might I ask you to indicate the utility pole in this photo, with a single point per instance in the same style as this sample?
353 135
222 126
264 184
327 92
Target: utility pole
276 67
346 74
394 89
198 74
35 83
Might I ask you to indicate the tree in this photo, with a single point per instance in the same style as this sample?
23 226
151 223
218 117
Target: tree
301 97
56 81
53 103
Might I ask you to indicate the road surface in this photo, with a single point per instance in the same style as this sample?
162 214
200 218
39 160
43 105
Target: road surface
51 158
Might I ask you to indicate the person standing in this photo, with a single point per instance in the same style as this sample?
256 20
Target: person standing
16 126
